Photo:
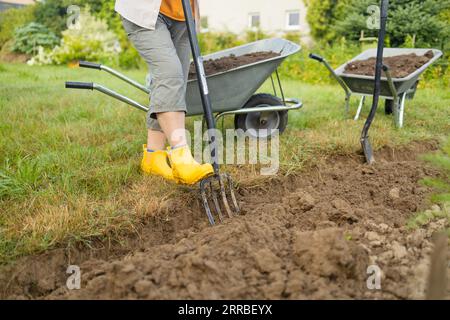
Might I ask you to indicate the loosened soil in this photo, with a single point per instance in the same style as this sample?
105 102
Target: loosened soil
400 66
231 62
306 236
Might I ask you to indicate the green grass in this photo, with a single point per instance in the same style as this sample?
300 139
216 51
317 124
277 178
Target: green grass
69 159
441 185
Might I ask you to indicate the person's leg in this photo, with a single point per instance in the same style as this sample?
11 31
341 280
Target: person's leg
167 86
181 41
185 168
173 123
173 126
156 140
168 104
155 157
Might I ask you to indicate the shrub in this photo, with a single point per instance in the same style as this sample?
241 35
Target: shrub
217 41
13 18
90 41
426 20
301 67
255 35
27 39
322 16
293 36
53 14
104 10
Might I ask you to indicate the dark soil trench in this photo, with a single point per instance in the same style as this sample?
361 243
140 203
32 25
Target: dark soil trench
312 235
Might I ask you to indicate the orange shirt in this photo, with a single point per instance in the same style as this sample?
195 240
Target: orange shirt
174 9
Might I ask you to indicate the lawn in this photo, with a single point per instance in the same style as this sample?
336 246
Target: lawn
69 160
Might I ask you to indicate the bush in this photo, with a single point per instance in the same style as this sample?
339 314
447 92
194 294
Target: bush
255 35
12 19
301 67
217 41
293 36
213 42
91 41
53 14
28 38
104 10
322 16
425 20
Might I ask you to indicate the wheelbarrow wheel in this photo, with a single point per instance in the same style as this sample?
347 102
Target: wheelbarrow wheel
262 124
389 107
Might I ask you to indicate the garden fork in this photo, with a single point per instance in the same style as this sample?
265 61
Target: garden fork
218 185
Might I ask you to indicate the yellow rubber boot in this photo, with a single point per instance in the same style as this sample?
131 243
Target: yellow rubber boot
185 169
155 163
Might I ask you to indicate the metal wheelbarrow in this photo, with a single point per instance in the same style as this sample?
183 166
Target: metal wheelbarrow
232 92
394 90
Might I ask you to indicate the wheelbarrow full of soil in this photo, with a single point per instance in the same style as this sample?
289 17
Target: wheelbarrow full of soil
401 71
234 76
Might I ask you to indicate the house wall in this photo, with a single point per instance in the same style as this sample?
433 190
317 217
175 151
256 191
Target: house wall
7 4
233 15
4 6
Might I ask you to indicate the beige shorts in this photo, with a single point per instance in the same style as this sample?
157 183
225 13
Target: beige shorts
167 53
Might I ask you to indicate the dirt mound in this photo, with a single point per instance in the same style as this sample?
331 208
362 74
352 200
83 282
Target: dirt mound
326 253
231 62
400 66
305 236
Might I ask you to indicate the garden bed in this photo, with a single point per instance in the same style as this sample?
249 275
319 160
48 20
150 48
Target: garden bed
307 236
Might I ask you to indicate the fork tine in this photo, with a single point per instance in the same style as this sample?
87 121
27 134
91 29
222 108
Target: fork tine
206 203
209 193
224 197
233 196
216 201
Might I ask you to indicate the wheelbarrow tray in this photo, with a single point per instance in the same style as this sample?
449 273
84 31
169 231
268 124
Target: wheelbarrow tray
230 90
361 84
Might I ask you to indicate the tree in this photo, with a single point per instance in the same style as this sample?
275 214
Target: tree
322 16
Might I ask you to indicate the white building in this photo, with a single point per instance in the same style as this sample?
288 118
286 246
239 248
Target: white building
271 16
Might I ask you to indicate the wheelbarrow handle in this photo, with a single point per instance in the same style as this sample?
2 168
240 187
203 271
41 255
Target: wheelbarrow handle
115 73
90 65
322 60
316 57
80 85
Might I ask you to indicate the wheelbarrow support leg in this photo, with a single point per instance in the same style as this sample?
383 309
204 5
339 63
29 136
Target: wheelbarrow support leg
360 106
220 182
399 102
365 143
